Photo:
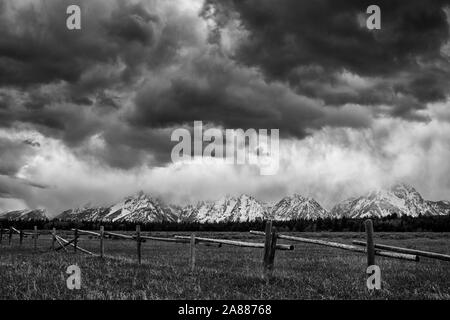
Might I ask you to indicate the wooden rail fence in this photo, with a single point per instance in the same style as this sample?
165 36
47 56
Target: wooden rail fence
269 245
344 247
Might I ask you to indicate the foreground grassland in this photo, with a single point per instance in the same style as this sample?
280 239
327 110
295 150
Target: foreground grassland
308 272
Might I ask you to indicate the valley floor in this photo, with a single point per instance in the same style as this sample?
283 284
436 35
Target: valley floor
308 272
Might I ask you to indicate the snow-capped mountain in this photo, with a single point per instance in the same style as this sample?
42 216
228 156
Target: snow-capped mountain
25 215
137 208
401 199
297 207
228 209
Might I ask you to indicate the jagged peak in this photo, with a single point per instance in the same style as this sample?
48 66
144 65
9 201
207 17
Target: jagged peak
142 196
138 195
228 198
301 198
297 197
402 186
247 196
398 189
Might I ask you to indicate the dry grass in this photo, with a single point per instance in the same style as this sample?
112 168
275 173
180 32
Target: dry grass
308 272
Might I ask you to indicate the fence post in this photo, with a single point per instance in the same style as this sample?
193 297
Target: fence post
35 237
75 242
192 247
370 245
138 242
269 251
1 233
267 241
10 235
20 237
102 248
53 238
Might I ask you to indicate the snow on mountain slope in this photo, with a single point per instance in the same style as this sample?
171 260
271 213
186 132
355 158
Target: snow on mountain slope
401 199
228 209
178 213
442 207
248 209
26 214
297 207
218 211
84 214
137 208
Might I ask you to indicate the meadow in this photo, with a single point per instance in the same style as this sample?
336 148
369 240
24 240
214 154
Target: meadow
308 272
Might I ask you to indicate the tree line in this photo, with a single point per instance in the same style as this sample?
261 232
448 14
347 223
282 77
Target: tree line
391 223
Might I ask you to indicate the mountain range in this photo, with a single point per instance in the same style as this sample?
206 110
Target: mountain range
400 199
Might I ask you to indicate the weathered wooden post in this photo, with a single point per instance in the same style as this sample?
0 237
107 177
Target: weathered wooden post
10 235
138 242
1 233
53 238
192 247
370 244
75 242
20 237
102 248
35 236
270 245
267 241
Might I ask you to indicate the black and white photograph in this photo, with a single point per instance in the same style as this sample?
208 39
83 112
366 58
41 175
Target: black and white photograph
243 151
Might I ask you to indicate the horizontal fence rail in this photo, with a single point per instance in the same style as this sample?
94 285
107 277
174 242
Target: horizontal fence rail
421 253
238 243
343 246
92 233
162 239
118 235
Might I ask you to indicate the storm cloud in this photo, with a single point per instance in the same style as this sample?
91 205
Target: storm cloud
311 44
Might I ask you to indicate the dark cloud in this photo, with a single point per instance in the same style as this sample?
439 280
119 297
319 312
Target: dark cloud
306 43
41 49
215 91
132 24
4 101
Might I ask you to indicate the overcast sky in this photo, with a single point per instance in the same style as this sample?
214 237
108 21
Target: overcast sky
86 115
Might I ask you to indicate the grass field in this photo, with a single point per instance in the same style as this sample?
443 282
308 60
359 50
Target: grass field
308 272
